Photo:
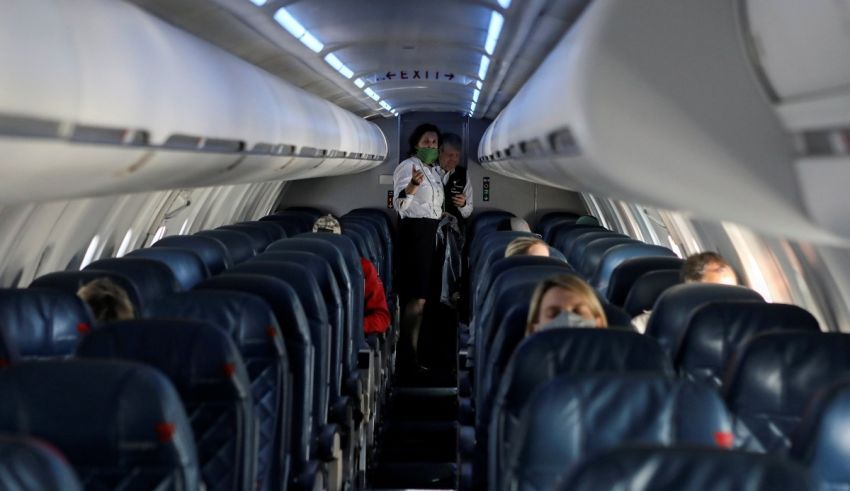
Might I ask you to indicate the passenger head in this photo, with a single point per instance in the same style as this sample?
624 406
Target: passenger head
587 220
327 224
564 301
451 147
107 301
708 267
424 143
527 246
515 224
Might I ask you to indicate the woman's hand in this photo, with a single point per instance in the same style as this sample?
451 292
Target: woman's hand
415 181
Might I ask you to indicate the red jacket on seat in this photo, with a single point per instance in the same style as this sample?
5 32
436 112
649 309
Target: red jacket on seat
376 316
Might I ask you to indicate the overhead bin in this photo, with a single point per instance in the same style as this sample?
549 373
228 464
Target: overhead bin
101 97
670 104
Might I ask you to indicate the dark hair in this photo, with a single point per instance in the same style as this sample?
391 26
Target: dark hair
107 301
451 140
693 268
417 135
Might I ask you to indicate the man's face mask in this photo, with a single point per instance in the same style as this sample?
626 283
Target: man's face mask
427 155
567 319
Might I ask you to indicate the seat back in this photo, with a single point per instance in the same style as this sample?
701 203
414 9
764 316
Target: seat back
646 468
385 227
494 245
673 309
772 378
545 355
32 465
121 425
595 251
252 325
204 365
185 264
717 329
820 441
648 287
575 416
211 250
71 281
42 323
238 244
260 235
484 222
274 230
294 222
627 273
575 247
153 279
505 264
616 256
563 237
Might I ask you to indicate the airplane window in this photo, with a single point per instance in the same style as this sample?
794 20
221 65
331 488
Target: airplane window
126 242
91 252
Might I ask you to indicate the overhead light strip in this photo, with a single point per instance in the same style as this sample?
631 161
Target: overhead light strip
496 23
494 30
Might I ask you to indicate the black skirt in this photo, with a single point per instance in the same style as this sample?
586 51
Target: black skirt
417 256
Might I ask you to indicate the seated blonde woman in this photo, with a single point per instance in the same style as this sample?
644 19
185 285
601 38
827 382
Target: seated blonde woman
527 246
564 301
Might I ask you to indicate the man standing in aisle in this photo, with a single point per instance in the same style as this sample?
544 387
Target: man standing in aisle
458 190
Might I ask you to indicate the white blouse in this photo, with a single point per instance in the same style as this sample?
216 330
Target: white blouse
428 200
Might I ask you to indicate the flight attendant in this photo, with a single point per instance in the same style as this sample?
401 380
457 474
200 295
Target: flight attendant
419 197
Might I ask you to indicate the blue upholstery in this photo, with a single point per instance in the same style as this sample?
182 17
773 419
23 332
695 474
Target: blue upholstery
575 416
310 211
8 351
616 256
42 323
385 227
648 287
205 367
316 313
293 222
211 251
550 220
717 329
505 264
563 238
774 375
483 222
187 266
578 242
274 230
121 425
820 441
238 244
373 245
260 235
28 464
595 251
71 281
496 241
284 301
548 354
646 468
251 324
153 278
627 273
673 309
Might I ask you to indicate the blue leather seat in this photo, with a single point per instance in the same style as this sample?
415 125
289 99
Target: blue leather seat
648 287
548 354
260 235
614 257
294 222
820 441
483 222
550 220
121 425
187 266
669 319
274 230
595 251
205 367
496 240
42 323
28 464
252 325
375 245
494 251
627 273
211 251
71 281
575 416
717 329
283 300
575 247
238 244
366 246
385 225
313 212
505 264
772 378
564 237
153 279
646 468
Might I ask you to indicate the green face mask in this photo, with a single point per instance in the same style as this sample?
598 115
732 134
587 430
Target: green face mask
427 155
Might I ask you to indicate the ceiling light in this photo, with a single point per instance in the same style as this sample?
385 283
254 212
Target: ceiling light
496 22
333 61
359 83
479 85
371 93
475 94
485 65
311 42
505 3
386 106
346 72
472 108
259 3
288 22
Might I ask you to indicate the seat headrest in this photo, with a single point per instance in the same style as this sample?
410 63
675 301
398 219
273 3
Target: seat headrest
36 463
778 372
486 220
648 287
673 309
309 211
248 318
259 235
238 244
575 416
293 222
211 250
564 236
186 265
494 245
517 285
616 256
647 468
717 329
617 317
319 267
820 441
274 230
71 281
153 278
575 242
198 358
341 242
43 322
100 413
595 251
627 273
